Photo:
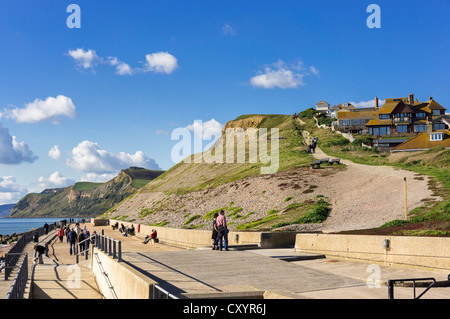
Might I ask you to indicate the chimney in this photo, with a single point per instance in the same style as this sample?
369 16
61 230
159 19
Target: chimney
411 98
376 102
431 98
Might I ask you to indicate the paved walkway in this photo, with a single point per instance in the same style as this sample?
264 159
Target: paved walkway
203 272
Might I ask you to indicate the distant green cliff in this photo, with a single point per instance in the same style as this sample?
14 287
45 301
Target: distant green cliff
84 199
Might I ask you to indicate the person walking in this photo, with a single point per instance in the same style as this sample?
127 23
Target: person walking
72 239
222 228
215 232
81 242
60 234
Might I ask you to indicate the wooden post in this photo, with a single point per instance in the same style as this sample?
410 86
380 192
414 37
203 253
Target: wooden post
406 207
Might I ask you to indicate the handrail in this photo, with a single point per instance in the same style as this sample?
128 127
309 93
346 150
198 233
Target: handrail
391 283
159 292
88 240
105 275
20 280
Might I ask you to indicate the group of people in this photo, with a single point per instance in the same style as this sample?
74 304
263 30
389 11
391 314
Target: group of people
220 231
312 145
126 231
76 235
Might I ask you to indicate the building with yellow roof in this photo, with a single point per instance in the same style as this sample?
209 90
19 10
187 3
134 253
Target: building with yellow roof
406 115
424 141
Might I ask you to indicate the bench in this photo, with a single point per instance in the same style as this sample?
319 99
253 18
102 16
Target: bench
315 164
324 160
335 160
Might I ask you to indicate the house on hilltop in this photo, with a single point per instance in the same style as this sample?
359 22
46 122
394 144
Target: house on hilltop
406 115
351 119
424 141
323 106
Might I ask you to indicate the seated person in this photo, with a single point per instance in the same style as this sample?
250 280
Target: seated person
115 226
153 236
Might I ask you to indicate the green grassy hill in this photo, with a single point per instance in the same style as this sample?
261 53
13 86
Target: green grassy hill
84 199
186 177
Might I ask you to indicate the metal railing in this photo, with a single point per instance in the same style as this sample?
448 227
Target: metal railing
80 248
18 286
392 282
160 293
111 246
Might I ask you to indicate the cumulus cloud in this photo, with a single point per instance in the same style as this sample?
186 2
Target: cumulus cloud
13 151
122 68
50 109
88 157
84 59
369 103
278 75
161 62
54 152
281 75
97 178
10 190
206 130
56 180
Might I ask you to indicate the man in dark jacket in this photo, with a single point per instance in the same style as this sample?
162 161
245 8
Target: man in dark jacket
72 239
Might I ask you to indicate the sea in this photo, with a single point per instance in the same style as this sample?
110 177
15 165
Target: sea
9 226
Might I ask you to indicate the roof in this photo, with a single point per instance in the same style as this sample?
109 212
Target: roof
353 114
322 102
422 142
388 107
376 121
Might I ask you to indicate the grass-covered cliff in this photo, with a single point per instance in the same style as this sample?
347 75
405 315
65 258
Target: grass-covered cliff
84 199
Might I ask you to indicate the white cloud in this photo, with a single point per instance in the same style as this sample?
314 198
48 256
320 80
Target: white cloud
122 68
160 62
314 70
88 157
54 152
10 190
52 108
84 59
12 151
206 130
97 178
369 103
228 29
56 180
278 75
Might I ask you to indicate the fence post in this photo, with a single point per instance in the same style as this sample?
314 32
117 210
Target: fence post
390 289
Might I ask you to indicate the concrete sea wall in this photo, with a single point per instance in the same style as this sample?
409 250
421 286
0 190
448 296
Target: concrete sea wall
423 252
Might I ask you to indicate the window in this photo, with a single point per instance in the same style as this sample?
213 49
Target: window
346 122
438 126
420 128
385 130
436 112
402 129
436 136
421 114
383 116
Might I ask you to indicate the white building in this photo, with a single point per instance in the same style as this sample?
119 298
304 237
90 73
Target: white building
322 106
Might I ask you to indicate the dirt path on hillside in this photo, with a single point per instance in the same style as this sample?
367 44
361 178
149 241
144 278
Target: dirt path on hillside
366 196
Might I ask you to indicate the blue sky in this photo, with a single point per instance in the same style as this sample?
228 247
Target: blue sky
110 93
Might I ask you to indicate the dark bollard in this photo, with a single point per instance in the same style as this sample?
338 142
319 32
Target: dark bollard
390 289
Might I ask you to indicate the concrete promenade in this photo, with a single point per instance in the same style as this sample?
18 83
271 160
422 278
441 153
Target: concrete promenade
204 273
